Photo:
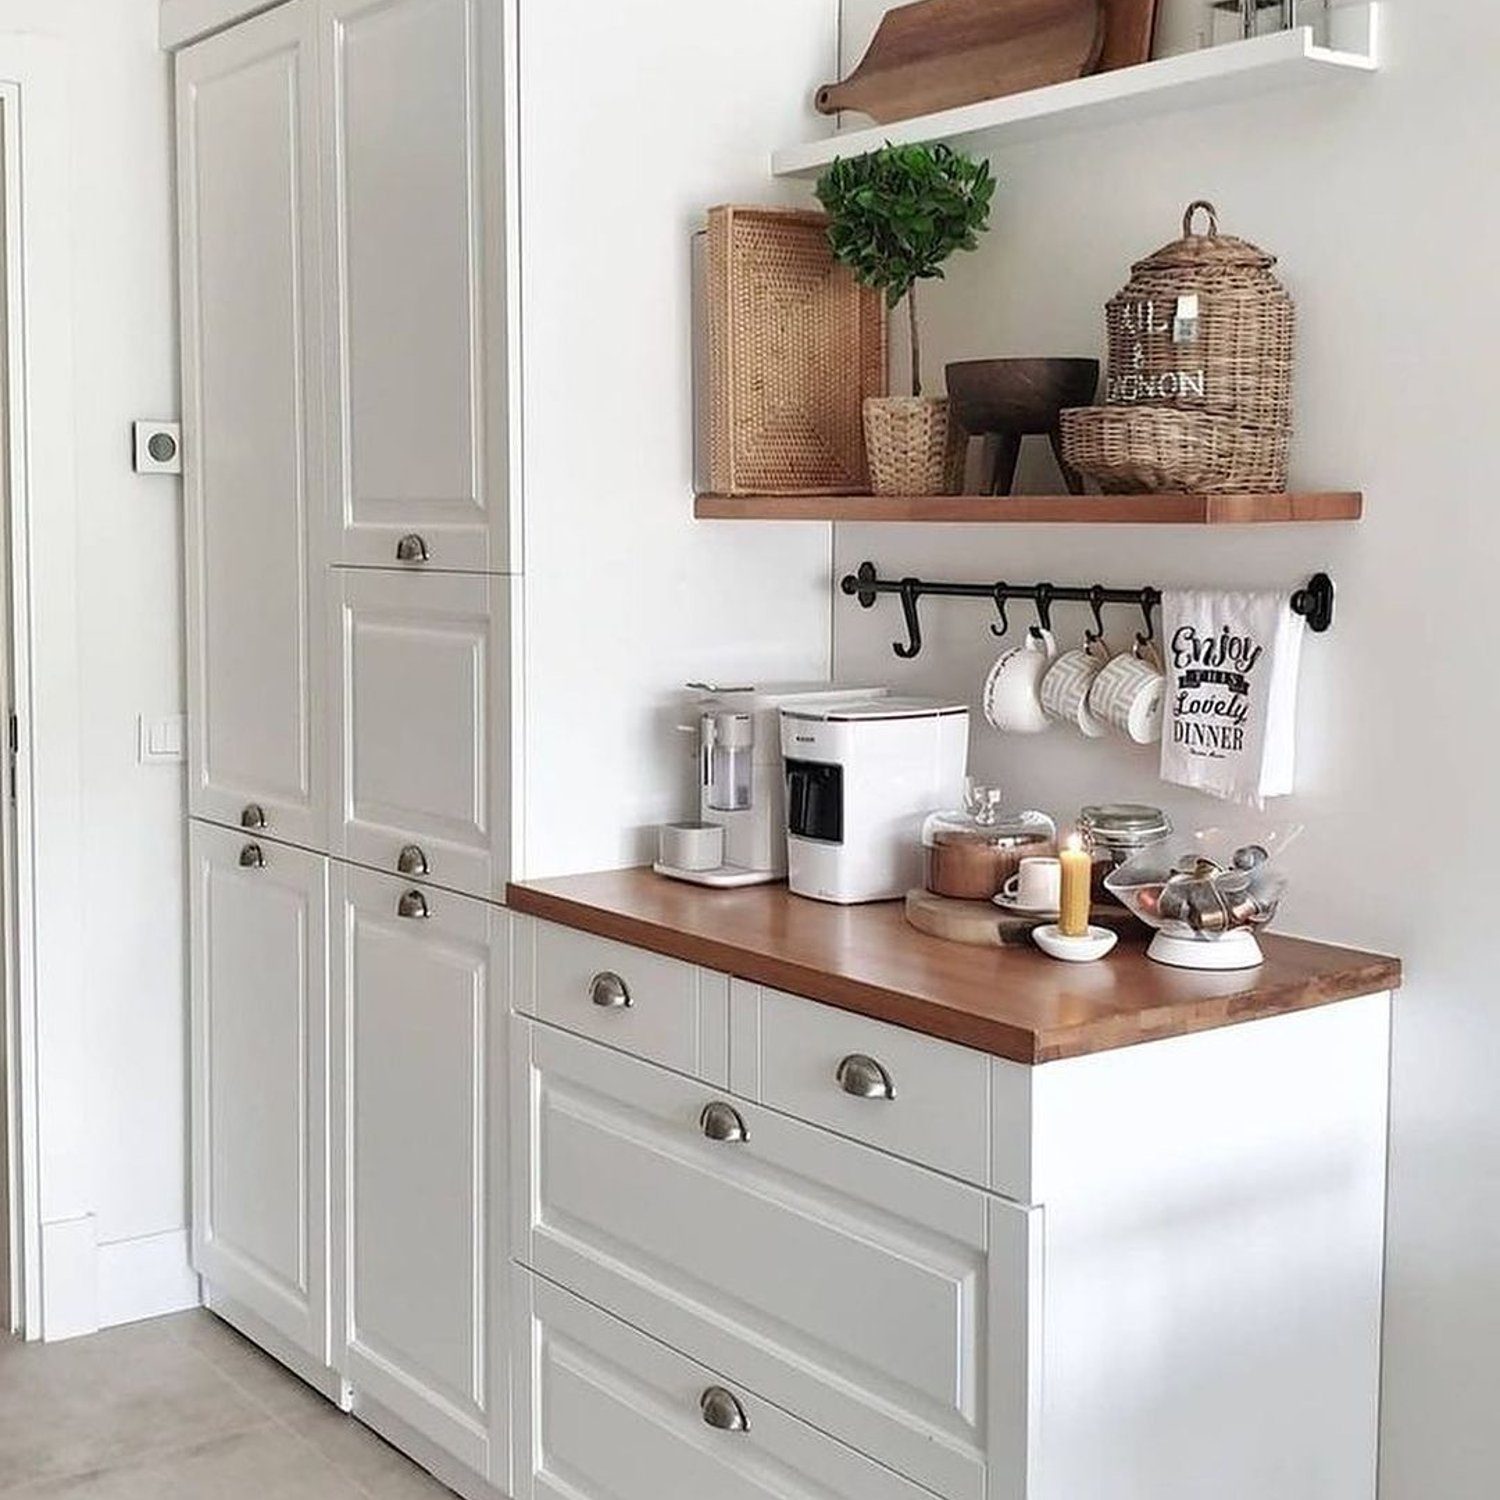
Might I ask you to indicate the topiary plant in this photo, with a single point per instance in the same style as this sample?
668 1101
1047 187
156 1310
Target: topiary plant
900 212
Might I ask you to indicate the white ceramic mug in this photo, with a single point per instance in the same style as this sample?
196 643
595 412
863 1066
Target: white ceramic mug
1012 692
1036 886
691 846
1065 688
1127 694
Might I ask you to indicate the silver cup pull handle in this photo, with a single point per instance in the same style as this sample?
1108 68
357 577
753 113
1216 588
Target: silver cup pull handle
254 816
412 548
610 992
864 1078
722 1122
721 1409
411 861
252 857
414 905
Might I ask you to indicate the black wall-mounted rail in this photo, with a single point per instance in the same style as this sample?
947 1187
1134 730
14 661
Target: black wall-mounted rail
1314 602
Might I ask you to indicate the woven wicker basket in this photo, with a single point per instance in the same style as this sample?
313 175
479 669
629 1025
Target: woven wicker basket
795 345
1233 358
1157 450
916 446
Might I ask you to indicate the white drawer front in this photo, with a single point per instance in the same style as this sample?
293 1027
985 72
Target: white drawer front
617 1416
652 1007
884 1304
424 726
948 1107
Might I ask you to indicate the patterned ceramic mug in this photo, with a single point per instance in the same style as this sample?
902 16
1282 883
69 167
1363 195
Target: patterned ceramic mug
1065 689
1127 693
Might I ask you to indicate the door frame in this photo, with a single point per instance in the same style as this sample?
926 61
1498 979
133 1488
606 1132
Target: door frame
39 500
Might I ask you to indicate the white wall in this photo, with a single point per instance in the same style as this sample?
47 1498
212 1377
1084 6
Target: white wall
119 1159
1372 193
635 120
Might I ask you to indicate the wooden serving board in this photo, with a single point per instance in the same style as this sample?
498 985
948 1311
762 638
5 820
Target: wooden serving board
940 54
1129 32
982 924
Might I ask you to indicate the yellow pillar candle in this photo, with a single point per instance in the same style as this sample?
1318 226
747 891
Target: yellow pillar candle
1077 883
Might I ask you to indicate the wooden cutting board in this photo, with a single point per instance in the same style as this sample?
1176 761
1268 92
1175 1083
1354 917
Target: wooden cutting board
985 925
939 54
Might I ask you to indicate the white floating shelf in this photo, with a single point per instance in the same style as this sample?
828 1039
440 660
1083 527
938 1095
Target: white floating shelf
1213 75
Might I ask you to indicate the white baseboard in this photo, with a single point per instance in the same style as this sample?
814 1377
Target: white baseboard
70 1283
145 1278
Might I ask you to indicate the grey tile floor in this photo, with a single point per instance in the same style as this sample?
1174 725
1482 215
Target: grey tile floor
182 1408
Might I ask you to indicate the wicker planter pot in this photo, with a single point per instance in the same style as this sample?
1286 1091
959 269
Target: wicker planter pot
915 446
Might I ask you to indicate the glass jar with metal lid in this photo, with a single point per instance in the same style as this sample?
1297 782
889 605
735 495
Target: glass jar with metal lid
1116 831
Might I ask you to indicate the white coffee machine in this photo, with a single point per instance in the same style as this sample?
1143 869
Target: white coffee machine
861 779
742 788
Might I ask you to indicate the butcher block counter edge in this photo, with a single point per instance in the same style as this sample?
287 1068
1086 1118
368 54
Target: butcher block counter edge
1011 1002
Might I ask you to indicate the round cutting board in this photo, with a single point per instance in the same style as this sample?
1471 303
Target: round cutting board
982 924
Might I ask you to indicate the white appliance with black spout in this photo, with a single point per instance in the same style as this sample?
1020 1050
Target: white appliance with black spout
741 785
861 778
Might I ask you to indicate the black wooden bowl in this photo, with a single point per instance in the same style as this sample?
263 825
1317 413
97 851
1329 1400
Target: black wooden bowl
1019 397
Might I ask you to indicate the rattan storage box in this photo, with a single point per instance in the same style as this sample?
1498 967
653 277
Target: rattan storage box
795 345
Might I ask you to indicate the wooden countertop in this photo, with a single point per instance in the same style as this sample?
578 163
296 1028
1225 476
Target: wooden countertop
1013 1002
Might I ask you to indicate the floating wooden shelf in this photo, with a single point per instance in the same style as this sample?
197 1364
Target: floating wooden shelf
1214 75
1064 510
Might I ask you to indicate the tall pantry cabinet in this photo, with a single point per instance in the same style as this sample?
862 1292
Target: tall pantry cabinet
350 553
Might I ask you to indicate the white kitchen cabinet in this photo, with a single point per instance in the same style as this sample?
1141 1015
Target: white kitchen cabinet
413 202
253 426
422 713
884 1304
420 1077
260 1081
609 1414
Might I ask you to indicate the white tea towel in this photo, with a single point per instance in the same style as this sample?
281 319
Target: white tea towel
1232 660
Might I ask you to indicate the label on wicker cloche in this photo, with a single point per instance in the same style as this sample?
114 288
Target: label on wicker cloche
1165 326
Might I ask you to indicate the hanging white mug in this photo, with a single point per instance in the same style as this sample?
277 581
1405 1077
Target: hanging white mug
1012 692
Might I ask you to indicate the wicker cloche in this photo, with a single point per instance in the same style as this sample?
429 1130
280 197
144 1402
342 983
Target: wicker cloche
1202 330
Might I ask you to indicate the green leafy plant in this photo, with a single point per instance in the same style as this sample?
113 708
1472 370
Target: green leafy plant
900 212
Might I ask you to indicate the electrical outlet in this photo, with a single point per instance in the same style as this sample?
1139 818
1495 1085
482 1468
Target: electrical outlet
162 741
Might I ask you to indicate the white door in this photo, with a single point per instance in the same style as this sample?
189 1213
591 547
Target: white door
253 448
413 98
260 1070
422 708
421 1076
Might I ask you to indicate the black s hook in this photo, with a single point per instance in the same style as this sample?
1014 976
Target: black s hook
1002 593
1096 604
1044 592
1149 600
909 597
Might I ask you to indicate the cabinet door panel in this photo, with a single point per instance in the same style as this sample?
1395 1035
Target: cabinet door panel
886 1305
414 190
421 1024
424 724
252 451
260 1057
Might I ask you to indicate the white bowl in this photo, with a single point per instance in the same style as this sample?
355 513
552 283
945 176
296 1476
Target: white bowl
1075 950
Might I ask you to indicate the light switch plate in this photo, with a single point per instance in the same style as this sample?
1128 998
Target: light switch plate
163 741
158 447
